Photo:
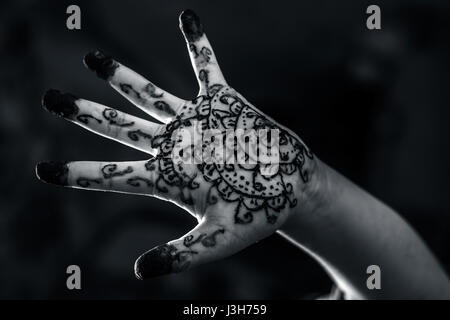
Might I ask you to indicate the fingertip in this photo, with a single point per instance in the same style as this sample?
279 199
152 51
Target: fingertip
155 262
49 97
190 25
187 14
93 59
54 172
100 63
137 269
57 103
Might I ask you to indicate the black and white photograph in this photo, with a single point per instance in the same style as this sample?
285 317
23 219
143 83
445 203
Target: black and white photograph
225 150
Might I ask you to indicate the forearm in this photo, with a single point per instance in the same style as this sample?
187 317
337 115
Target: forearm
346 230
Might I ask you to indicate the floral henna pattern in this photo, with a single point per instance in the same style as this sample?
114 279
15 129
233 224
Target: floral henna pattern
243 184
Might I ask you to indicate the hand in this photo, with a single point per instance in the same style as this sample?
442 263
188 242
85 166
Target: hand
235 204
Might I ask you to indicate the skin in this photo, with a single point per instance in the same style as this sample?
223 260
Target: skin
235 205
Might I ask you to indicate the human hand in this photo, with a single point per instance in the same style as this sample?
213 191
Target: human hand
236 204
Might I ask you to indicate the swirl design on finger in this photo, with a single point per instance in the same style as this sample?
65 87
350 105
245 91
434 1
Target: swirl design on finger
113 118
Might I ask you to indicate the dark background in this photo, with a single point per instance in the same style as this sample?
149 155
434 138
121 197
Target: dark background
372 104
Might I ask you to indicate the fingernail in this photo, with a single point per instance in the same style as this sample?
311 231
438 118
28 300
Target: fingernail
101 63
156 262
190 25
57 103
53 172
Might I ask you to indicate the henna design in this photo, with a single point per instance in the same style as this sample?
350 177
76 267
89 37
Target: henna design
136 182
164 106
55 172
150 89
210 241
204 77
191 25
212 90
162 260
84 118
111 115
203 57
241 184
150 165
242 217
86 182
60 104
205 53
189 240
170 174
204 239
135 134
193 48
103 64
128 89
110 170
167 258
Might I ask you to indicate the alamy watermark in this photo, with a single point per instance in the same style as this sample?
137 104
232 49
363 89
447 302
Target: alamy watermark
245 147
373 282
74 279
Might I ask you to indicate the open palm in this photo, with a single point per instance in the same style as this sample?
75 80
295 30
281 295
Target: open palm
235 203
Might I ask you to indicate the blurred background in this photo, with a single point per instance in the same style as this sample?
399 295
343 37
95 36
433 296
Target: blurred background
372 104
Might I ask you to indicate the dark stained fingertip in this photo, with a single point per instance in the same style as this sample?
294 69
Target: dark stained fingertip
190 25
60 104
102 64
53 172
155 262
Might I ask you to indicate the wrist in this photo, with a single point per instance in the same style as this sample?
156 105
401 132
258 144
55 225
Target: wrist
313 201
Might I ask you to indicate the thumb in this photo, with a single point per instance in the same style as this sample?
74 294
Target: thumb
206 242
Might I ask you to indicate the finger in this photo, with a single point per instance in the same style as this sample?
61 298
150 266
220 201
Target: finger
203 60
206 242
135 177
141 92
110 123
